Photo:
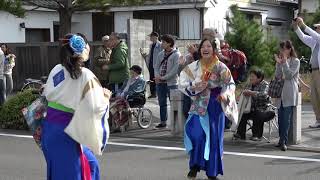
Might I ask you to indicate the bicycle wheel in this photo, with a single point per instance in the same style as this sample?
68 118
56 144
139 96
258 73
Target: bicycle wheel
32 85
144 118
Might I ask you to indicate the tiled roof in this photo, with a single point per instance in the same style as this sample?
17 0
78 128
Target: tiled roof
53 4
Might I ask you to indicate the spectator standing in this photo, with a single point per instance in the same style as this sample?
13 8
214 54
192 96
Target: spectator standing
166 75
150 59
2 84
9 64
287 68
313 41
101 58
119 66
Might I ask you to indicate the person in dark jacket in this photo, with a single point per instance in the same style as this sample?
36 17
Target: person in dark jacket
119 65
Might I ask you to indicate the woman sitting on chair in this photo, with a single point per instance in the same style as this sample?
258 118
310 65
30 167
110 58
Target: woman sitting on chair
257 89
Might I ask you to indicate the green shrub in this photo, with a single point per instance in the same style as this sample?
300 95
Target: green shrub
247 36
10 113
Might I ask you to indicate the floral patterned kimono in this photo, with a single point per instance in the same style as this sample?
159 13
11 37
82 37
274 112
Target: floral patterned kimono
205 125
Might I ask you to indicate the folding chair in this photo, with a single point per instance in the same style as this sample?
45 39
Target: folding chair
272 124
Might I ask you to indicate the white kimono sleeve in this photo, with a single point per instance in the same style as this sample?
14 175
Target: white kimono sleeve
89 125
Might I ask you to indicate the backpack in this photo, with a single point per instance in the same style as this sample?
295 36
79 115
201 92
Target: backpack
237 63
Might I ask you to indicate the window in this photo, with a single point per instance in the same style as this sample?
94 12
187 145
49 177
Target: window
164 21
102 24
56 31
37 35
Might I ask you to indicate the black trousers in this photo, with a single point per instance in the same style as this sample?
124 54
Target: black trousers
153 88
258 118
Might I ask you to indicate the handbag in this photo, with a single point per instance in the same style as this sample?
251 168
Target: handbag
275 88
34 114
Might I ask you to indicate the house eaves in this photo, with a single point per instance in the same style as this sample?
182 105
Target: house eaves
163 4
149 5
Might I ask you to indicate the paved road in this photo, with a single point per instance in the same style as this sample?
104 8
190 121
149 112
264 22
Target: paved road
141 159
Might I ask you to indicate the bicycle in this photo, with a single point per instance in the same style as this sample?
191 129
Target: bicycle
35 84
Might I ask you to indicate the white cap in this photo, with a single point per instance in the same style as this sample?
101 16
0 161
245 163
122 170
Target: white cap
316 25
105 38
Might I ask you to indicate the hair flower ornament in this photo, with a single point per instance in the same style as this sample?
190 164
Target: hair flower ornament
77 44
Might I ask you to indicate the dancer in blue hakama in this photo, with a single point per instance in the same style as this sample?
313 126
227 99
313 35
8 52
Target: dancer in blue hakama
197 135
76 125
210 85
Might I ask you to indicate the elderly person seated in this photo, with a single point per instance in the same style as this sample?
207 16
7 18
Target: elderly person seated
257 91
134 85
131 93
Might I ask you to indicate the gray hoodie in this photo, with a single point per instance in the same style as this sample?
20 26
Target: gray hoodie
171 76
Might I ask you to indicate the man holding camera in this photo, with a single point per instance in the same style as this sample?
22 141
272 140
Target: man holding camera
150 59
313 41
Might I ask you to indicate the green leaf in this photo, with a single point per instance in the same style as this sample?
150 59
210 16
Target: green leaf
13 7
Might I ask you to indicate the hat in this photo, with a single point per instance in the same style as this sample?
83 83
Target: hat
136 69
154 34
316 25
105 38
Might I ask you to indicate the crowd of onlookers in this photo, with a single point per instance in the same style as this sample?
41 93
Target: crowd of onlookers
165 62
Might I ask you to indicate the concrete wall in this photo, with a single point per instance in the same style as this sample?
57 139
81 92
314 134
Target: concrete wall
189 24
10 32
120 21
137 38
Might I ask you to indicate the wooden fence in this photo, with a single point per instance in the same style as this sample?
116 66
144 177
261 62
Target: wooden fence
35 60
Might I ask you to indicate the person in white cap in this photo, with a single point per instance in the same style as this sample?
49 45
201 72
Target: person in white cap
101 58
313 41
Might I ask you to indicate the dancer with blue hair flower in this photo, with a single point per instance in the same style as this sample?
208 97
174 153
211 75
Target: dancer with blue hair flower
76 126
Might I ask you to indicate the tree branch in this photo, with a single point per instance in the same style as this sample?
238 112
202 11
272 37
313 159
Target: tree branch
59 3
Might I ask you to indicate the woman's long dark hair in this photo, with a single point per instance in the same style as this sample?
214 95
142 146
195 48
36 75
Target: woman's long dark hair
288 45
213 44
8 51
68 60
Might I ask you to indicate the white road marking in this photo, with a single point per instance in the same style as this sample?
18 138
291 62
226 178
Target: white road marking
183 149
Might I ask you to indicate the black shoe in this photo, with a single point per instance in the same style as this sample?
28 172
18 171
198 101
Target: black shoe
212 178
152 96
283 147
161 126
238 136
192 173
278 145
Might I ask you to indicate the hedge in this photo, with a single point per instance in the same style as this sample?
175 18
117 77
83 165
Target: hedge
10 113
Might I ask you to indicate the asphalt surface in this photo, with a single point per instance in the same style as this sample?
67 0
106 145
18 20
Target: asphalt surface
148 159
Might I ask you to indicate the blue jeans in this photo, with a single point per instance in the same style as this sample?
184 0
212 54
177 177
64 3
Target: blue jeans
2 92
284 120
163 91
